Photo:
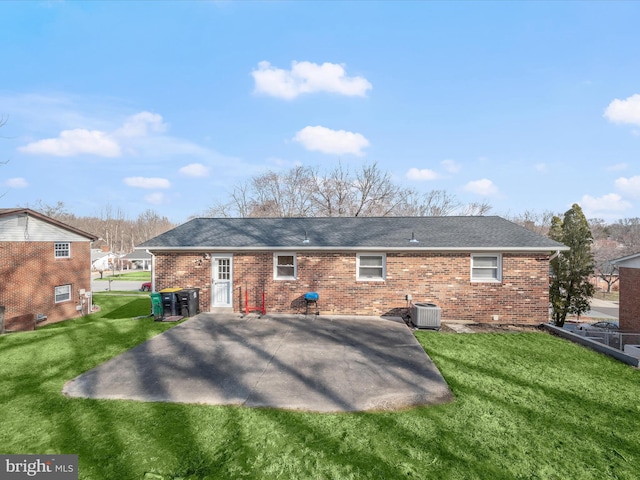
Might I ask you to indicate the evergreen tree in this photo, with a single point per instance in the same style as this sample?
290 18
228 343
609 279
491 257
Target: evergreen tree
570 290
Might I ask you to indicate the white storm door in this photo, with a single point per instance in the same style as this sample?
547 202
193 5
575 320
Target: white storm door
222 281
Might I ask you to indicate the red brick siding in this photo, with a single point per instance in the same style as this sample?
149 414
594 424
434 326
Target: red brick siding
630 299
441 278
21 323
29 273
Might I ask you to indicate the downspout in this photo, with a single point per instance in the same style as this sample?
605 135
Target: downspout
554 255
153 271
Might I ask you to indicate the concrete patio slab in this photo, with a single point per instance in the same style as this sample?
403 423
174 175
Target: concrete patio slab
296 362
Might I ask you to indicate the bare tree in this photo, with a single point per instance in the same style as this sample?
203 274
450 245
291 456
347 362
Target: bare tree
605 250
626 232
333 194
375 193
305 192
119 233
538 222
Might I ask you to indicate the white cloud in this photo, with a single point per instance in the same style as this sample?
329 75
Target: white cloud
541 167
451 166
156 198
17 182
611 202
337 142
629 186
422 174
140 124
195 170
147 182
624 111
481 187
618 167
75 142
307 77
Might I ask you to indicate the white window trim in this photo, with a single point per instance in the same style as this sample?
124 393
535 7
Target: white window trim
371 254
275 265
55 252
55 295
498 268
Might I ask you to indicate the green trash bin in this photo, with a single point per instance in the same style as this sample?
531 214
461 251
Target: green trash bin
156 306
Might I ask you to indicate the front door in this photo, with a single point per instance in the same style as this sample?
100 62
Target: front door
222 281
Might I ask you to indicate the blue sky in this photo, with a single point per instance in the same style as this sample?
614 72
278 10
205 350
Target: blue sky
167 105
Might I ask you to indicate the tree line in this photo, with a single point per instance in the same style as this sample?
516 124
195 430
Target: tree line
115 230
340 192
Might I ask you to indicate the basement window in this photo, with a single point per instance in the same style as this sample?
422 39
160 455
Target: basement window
62 249
284 266
63 293
486 268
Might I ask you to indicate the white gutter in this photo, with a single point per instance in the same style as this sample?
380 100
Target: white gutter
556 254
299 248
153 270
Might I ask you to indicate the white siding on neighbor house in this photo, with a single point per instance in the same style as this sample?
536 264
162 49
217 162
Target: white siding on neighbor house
24 228
630 263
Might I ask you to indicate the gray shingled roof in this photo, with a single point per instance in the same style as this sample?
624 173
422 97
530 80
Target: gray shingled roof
384 233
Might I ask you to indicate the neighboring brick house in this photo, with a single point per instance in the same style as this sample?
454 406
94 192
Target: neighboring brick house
629 271
45 266
480 269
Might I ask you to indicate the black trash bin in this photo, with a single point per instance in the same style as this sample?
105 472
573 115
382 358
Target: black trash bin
170 301
189 301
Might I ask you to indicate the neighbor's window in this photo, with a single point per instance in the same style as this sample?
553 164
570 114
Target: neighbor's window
486 268
62 249
284 266
371 266
63 293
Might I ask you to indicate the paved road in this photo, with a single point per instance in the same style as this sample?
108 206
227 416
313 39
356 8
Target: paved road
293 362
603 309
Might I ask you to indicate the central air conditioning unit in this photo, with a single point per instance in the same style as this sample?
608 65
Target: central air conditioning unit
426 315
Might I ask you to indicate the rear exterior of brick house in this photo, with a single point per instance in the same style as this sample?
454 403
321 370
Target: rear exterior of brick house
363 266
44 265
629 271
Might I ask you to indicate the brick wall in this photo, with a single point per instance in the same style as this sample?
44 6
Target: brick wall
21 323
29 273
444 279
630 299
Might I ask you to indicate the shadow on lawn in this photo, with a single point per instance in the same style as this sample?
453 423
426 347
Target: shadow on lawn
125 439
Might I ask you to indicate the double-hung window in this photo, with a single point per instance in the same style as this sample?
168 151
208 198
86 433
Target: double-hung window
371 266
486 268
63 293
284 266
62 250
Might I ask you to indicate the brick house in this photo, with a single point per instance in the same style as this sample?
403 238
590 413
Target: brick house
480 269
629 271
45 269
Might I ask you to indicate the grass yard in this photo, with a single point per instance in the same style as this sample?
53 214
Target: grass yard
528 406
138 275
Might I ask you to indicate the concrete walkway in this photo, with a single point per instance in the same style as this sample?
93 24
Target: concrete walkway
320 364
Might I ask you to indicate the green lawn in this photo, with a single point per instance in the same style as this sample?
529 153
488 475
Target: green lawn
141 275
528 405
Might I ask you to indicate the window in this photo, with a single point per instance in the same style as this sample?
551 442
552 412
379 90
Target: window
63 293
486 268
371 266
284 266
62 249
